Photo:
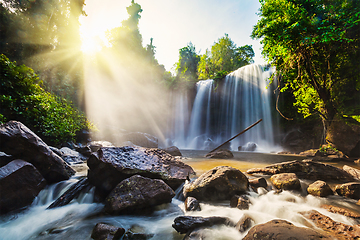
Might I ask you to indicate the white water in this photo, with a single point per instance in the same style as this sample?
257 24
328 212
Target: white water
73 221
222 110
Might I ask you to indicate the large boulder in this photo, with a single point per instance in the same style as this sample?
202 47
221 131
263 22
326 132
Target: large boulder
20 142
306 169
286 181
349 190
20 183
283 230
137 193
219 183
103 231
109 166
345 136
319 189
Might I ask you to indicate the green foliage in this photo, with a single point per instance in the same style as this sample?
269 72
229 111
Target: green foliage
22 98
186 67
224 58
314 45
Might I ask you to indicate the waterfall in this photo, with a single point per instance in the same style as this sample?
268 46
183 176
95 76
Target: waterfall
222 109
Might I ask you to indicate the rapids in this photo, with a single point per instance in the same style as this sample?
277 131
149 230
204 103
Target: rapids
76 220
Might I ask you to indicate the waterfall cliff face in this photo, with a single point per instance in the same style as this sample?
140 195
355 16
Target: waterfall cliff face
221 110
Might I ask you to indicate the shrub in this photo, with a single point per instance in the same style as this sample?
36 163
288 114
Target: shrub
23 99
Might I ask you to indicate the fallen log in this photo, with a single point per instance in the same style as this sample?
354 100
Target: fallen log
70 194
246 129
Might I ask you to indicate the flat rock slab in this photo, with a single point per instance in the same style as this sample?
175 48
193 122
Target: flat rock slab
283 230
137 193
20 142
306 169
219 183
20 183
111 165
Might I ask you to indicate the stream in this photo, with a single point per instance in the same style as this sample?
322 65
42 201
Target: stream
76 220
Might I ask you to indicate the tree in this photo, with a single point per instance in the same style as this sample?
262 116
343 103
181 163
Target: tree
314 45
224 58
186 67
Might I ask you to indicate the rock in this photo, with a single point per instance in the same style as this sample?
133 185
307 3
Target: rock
192 204
173 151
22 143
186 224
337 229
342 211
72 157
96 145
244 223
103 231
136 232
349 190
141 139
310 153
220 183
255 183
320 189
286 181
109 166
220 154
20 183
249 147
306 169
283 230
344 136
240 202
352 171
137 193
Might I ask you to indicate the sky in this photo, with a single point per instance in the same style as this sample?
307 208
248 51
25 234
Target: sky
174 23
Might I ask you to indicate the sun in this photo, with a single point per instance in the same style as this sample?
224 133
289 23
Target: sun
91 44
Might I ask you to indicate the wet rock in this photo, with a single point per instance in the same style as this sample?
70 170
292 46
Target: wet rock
173 151
240 202
186 224
137 232
220 154
255 183
335 229
192 204
283 230
344 136
244 223
249 147
320 189
137 193
20 183
306 169
286 181
22 143
109 166
103 231
141 139
349 190
71 157
220 183
352 171
342 211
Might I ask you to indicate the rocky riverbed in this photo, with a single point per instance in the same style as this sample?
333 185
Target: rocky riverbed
304 198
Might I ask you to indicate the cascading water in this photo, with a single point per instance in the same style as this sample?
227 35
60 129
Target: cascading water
222 110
